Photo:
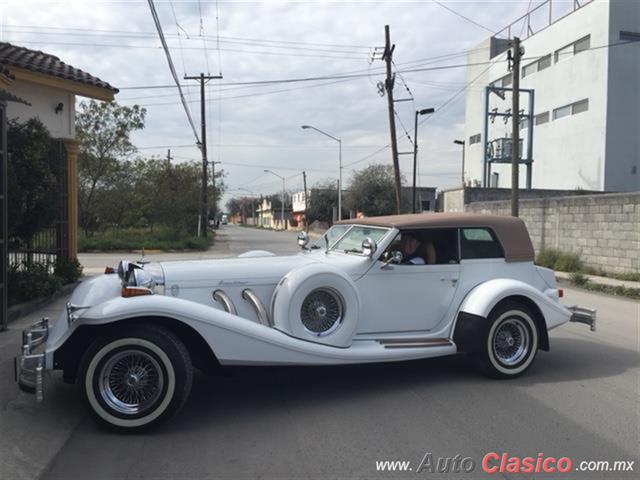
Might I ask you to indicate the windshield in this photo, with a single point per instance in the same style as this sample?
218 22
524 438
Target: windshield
330 236
351 242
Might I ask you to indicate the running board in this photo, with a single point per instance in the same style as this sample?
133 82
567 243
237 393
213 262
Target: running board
415 342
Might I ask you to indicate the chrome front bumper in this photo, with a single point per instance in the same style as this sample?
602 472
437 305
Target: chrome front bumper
29 365
583 315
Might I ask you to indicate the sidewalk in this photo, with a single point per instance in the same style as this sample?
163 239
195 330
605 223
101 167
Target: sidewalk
596 280
33 433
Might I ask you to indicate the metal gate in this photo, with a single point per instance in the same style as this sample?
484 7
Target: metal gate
3 213
51 242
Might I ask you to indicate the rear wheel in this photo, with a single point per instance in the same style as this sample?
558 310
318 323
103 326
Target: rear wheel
136 378
511 342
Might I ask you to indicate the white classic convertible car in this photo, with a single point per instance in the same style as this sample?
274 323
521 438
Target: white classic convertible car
370 290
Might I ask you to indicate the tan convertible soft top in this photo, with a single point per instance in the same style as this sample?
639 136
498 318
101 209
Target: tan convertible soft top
511 231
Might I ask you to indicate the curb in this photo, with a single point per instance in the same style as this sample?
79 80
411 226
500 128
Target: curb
22 309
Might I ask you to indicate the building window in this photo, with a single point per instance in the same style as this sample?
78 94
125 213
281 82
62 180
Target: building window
579 107
562 112
506 80
474 139
536 66
571 109
544 62
542 118
573 49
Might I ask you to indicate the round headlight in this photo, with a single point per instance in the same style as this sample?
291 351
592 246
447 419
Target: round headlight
143 279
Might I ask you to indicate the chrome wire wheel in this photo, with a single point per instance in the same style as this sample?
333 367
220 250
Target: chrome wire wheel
321 311
511 341
131 382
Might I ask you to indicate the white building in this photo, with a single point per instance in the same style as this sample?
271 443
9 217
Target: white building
584 67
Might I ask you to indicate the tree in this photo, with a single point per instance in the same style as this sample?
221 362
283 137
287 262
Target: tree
321 202
32 172
104 130
372 191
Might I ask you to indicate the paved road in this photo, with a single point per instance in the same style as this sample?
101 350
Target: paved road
230 240
580 400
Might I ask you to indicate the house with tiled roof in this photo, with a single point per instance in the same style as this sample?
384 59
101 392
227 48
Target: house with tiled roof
40 85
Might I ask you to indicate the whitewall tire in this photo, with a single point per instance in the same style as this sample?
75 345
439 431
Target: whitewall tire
511 342
136 378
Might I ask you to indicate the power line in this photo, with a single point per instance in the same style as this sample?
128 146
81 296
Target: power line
91 31
158 25
462 16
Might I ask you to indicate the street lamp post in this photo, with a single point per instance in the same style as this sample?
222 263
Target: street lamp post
339 165
282 200
461 142
424 111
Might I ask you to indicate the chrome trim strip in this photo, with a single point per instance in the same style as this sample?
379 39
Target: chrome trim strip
256 303
221 297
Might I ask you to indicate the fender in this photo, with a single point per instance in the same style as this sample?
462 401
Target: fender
485 296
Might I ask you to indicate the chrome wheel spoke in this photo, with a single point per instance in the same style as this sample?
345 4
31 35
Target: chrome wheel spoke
131 382
511 341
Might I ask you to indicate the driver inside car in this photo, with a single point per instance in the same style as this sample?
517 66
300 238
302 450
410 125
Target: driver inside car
411 255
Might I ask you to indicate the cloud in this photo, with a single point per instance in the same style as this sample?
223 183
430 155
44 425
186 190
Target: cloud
262 126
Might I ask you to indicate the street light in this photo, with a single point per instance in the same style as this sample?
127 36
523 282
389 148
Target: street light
461 142
282 201
305 127
424 111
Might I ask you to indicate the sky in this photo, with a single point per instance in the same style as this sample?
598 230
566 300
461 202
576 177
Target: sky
256 127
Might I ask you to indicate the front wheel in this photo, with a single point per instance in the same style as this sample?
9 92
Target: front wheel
511 342
136 378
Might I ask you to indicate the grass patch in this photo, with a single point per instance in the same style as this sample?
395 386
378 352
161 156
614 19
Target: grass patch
617 290
558 260
136 239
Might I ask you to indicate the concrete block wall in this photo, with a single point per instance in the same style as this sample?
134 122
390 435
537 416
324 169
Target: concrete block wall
603 229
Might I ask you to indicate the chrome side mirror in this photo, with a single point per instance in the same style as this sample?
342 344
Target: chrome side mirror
303 239
394 257
369 246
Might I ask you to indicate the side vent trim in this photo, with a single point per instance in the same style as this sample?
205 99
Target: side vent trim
222 298
256 303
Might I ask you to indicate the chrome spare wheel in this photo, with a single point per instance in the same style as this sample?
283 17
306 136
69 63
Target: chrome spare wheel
322 311
131 382
511 341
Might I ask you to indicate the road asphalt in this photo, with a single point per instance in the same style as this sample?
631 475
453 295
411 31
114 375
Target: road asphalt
580 400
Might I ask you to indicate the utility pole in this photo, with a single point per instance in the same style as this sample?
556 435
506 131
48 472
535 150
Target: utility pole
204 209
388 85
304 185
168 158
515 56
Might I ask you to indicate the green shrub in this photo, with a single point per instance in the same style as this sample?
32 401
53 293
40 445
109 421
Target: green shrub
31 282
548 258
68 271
558 260
579 279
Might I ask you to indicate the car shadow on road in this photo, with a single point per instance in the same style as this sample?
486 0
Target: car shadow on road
272 389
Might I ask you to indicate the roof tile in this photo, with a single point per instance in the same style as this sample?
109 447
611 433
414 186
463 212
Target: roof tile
40 62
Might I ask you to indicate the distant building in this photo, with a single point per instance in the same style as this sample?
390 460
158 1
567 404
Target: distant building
299 205
586 105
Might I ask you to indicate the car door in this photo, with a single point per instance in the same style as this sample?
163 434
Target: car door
408 297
